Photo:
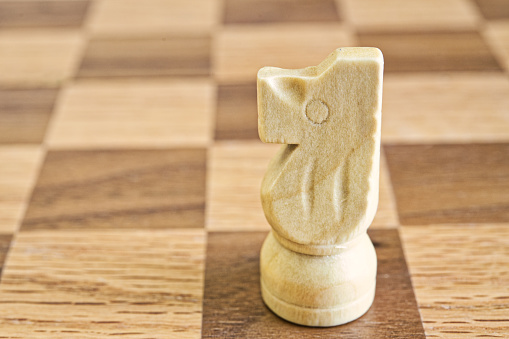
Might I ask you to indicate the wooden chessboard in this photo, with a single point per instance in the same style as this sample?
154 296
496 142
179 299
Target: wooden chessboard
130 165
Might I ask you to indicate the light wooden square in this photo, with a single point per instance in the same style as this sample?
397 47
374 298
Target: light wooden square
104 283
392 15
96 114
127 17
386 215
445 108
18 171
496 34
235 174
234 179
240 51
38 58
459 274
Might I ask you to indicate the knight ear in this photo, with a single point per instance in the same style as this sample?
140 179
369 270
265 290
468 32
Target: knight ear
288 88
281 98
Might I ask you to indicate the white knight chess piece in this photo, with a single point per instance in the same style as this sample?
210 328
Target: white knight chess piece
320 192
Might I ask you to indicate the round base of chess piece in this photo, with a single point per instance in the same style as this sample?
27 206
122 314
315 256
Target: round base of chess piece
316 290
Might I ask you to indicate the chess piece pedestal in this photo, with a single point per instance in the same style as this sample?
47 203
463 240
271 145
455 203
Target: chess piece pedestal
319 290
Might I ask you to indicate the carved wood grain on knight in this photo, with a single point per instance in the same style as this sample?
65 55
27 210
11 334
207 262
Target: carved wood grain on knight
320 192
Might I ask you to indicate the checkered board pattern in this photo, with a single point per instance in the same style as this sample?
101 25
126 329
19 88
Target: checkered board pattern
130 165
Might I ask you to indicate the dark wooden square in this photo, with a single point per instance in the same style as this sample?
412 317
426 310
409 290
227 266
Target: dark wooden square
164 56
424 52
140 189
24 114
237 115
494 9
18 14
271 11
233 307
463 183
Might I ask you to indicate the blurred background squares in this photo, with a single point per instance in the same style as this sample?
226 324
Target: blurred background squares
24 114
133 17
38 58
279 11
432 52
42 14
240 51
496 34
493 9
134 114
237 112
141 57
415 15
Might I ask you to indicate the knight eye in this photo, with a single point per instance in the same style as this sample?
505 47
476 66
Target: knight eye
317 111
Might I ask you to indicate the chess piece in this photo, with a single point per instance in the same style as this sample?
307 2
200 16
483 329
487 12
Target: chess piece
320 192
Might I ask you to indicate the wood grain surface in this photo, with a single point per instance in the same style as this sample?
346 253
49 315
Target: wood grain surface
24 114
114 114
85 284
38 58
493 9
237 113
265 11
18 174
465 108
162 56
5 242
130 164
437 184
386 215
233 186
416 15
432 52
131 17
237 49
497 35
141 189
460 278
41 14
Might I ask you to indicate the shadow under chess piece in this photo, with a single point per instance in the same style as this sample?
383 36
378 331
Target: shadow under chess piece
320 193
